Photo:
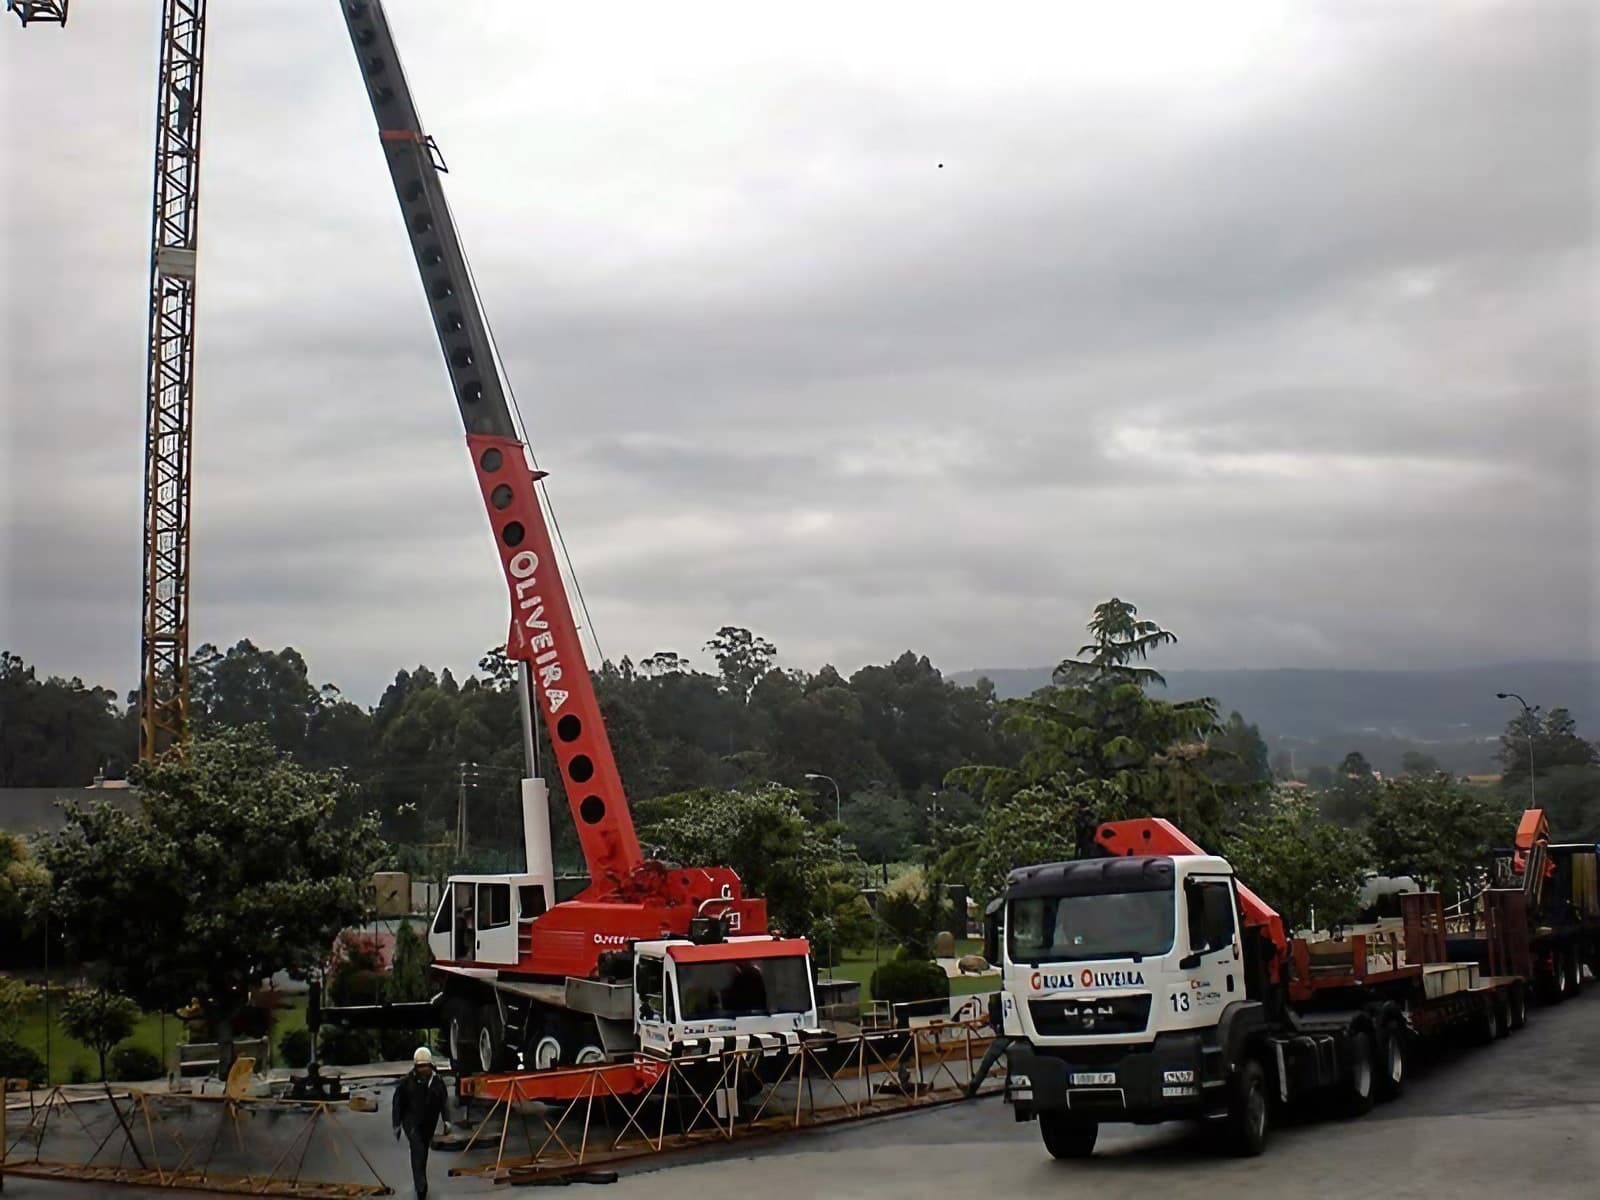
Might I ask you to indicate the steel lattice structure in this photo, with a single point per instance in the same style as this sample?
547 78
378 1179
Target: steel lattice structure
169 401
53 12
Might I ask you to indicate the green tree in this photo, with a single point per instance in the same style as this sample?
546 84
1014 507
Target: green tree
1415 762
1301 864
100 1020
250 686
742 657
881 825
1556 744
16 1001
761 835
1348 798
1239 754
1038 824
58 732
1118 640
235 866
1436 831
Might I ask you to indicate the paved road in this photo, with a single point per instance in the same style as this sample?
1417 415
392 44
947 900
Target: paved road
1519 1118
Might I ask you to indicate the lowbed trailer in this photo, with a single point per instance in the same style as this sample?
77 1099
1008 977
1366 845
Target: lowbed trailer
1151 985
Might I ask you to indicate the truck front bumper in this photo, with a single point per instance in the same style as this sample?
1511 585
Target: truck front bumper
1160 1081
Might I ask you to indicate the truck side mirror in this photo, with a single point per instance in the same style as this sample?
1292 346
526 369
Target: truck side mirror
991 932
1188 962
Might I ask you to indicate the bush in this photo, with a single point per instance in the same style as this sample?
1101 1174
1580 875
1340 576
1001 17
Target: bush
294 1047
78 1074
341 1047
134 1064
398 1045
19 1062
902 980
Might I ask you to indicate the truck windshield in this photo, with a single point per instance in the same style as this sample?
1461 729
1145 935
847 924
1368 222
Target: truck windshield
1042 929
744 987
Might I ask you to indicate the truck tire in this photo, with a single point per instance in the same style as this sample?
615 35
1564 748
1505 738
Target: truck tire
1574 971
1360 1081
461 1035
1392 1065
1247 1111
546 1054
1066 1136
493 1052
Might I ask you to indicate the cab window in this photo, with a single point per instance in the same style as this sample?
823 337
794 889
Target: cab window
1210 916
650 987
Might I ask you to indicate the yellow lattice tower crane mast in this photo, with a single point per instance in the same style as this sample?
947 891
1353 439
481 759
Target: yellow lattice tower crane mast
169 378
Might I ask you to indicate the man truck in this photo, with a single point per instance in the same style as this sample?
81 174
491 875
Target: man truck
1149 984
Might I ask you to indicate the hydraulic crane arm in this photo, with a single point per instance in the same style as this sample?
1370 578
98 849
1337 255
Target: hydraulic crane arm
1153 835
543 632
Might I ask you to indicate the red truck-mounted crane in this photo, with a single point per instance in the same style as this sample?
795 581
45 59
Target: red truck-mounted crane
649 957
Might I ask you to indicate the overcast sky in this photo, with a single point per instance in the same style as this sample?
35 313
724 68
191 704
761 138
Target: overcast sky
864 326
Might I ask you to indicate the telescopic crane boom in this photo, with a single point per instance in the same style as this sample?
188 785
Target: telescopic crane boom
543 632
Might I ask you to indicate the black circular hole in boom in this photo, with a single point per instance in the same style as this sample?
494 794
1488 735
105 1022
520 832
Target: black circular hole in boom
581 768
592 810
513 533
569 727
501 496
490 460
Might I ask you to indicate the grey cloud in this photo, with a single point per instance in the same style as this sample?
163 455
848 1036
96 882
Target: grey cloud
1302 362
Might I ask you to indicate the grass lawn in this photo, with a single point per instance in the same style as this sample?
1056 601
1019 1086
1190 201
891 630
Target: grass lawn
154 1033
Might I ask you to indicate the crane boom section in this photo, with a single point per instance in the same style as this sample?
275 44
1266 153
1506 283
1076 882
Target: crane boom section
543 631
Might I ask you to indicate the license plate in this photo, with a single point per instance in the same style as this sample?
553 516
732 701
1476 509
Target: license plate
1094 1078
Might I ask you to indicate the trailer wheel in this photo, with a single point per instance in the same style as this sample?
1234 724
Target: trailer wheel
1359 1082
1066 1136
587 1056
1247 1111
1517 1007
1574 972
1391 1078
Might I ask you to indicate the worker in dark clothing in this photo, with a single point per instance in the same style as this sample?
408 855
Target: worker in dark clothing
421 1101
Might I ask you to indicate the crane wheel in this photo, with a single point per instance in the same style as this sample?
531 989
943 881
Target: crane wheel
546 1054
1517 1007
461 1036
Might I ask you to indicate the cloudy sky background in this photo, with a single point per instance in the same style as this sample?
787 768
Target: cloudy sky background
1275 318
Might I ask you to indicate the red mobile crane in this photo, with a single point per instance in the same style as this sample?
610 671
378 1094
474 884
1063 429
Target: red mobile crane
649 956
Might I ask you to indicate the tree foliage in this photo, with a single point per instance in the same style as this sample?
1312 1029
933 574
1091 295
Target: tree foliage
235 866
1436 830
59 732
1301 864
100 1020
762 835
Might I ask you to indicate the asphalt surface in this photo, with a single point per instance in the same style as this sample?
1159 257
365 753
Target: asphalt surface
1519 1118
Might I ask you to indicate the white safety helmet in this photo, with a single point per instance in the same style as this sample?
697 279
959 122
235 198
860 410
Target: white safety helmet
423 1057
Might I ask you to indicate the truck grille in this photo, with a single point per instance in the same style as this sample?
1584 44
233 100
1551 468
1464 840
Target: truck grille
1082 1018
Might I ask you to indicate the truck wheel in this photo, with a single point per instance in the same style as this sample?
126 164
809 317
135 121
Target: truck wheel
1066 1136
1247 1111
1360 1081
1391 1079
588 1056
1574 972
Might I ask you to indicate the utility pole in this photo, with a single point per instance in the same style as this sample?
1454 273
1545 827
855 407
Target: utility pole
1533 722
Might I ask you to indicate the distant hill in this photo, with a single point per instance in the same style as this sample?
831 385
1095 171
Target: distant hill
1451 714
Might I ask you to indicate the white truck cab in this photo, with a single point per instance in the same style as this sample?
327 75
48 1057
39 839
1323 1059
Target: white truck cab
750 993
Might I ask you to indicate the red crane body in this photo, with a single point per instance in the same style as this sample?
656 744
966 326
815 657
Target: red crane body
628 897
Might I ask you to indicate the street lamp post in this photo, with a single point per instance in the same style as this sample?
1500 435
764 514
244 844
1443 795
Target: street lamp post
838 804
1528 711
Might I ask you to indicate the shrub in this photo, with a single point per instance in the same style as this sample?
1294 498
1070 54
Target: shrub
20 1062
134 1064
902 980
398 1045
99 1019
78 1074
294 1047
341 1047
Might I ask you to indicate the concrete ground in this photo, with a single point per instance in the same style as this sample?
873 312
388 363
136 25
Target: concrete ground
1521 1117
